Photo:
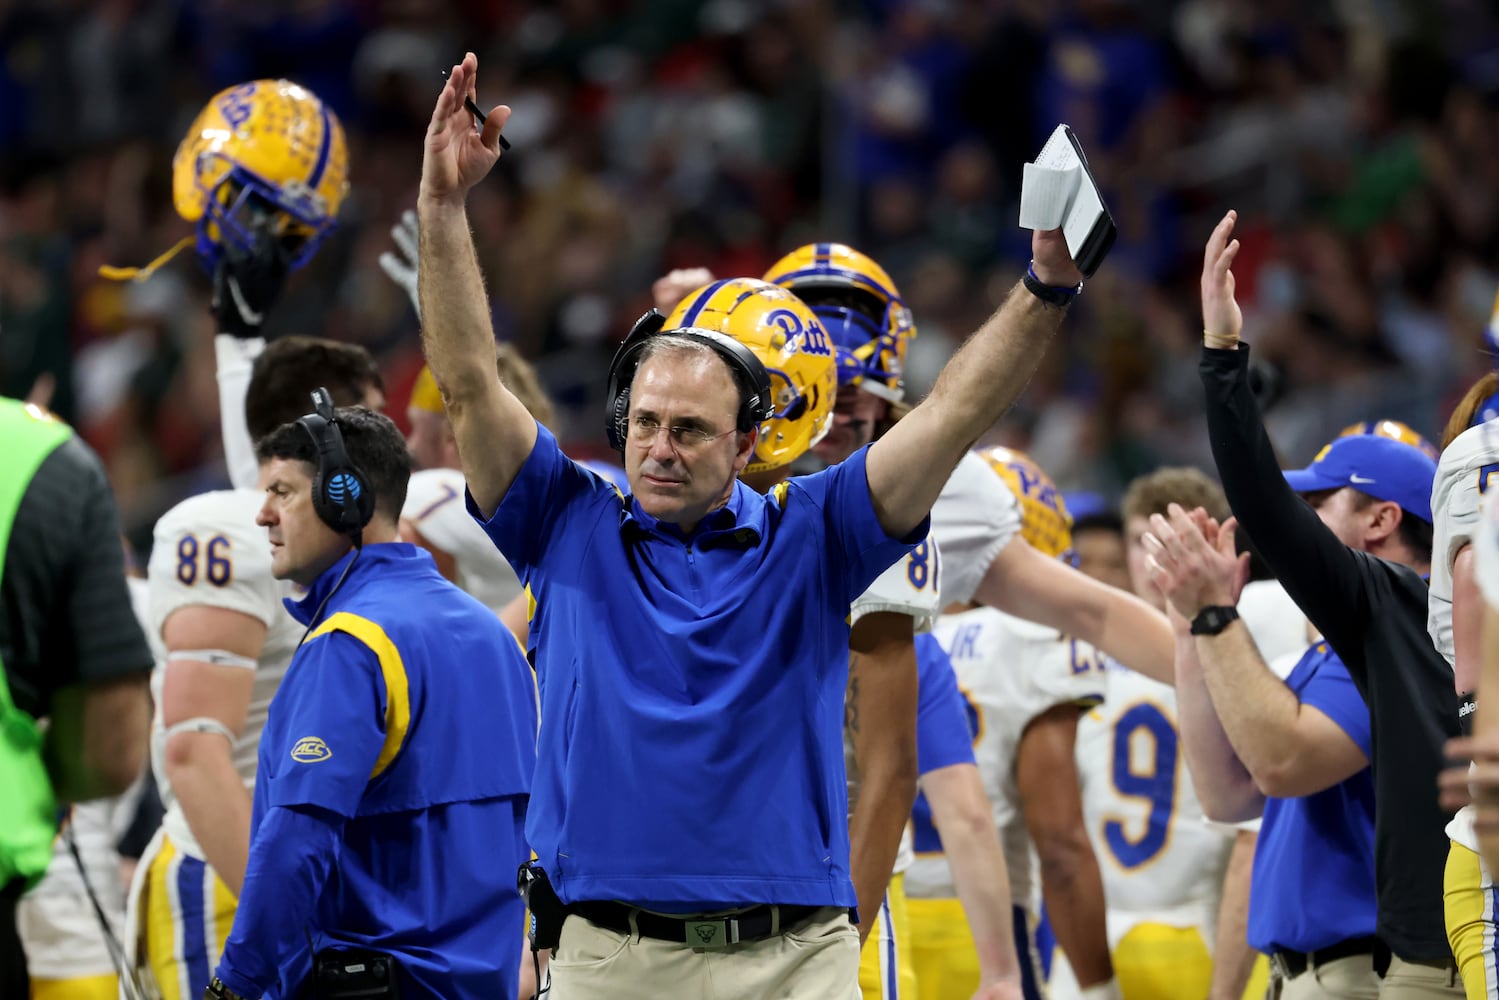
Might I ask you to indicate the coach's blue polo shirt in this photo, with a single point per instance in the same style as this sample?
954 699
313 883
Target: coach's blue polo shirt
1313 881
691 750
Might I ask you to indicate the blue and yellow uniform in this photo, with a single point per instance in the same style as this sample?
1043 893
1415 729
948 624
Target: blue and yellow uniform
394 774
688 681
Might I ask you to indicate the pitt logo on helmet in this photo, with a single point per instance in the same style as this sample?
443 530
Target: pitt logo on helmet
860 308
789 341
264 147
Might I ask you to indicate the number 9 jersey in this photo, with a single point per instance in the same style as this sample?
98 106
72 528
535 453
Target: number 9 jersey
1160 860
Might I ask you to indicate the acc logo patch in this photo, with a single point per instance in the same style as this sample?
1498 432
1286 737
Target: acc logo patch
310 750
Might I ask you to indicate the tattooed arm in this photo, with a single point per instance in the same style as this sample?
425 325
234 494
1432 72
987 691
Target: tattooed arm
879 719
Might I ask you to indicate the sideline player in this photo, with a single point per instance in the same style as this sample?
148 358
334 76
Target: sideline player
261 173
1026 686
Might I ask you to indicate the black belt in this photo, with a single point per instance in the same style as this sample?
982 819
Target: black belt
1290 964
753 924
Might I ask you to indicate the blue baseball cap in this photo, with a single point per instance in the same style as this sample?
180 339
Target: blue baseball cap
1382 467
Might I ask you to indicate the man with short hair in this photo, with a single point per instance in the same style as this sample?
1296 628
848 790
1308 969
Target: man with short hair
396 760
1098 541
695 622
1297 750
1372 612
217 611
1163 867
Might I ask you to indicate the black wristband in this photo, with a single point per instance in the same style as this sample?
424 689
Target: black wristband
1060 296
1214 619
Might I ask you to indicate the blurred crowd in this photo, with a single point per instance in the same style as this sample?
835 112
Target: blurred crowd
1359 140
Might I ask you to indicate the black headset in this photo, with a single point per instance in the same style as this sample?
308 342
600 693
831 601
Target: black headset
341 495
749 373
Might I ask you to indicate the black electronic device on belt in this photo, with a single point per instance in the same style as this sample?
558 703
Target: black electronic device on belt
547 909
354 974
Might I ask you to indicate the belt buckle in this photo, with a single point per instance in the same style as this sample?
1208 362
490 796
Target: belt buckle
1279 965
712 933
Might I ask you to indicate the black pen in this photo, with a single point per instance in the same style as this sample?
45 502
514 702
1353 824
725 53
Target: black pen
479 116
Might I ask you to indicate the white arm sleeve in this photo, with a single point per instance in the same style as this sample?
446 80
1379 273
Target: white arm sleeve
236 358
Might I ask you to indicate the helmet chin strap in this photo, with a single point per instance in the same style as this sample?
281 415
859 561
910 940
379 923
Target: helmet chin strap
112 273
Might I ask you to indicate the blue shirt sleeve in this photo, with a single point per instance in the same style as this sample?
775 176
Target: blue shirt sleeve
1332 692
943 736
859 542
327 728
290 857
537 502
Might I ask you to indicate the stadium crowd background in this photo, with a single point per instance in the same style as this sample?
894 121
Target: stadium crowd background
1359 140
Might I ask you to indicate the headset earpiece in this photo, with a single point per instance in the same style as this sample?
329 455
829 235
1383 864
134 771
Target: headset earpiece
341 495
748 371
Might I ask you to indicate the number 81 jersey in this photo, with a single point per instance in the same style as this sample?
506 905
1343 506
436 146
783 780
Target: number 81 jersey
1160 860
208 552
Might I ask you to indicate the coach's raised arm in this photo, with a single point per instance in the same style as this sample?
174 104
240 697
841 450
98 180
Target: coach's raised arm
494 431
909 465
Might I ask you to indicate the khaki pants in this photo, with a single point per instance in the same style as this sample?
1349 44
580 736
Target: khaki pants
1350 978
1410 981
817 960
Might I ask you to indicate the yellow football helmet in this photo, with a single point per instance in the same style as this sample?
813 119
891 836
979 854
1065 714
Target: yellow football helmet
259 146
1395 430
1044 521
860 308
783 333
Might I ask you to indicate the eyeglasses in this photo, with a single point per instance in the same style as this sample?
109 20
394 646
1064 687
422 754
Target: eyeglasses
643 431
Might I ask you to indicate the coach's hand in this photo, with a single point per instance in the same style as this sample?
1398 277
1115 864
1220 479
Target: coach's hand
1222 320
248 281
1052 260
1192 560
457 156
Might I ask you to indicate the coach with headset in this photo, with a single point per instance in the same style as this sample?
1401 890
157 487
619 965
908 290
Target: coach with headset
396 760
690 639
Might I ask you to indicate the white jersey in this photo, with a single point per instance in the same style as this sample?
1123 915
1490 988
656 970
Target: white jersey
910 586
1486 551
1484 534
1011 671
1160 861
209 552
434 504
1462 476
975 517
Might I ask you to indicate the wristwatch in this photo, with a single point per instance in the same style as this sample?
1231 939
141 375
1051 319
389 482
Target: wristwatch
1060 296
218 991
1214 619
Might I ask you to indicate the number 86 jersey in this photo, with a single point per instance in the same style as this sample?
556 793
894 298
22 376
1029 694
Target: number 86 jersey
1160 860
208 552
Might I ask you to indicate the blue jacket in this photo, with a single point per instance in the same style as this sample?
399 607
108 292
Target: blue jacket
395 768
